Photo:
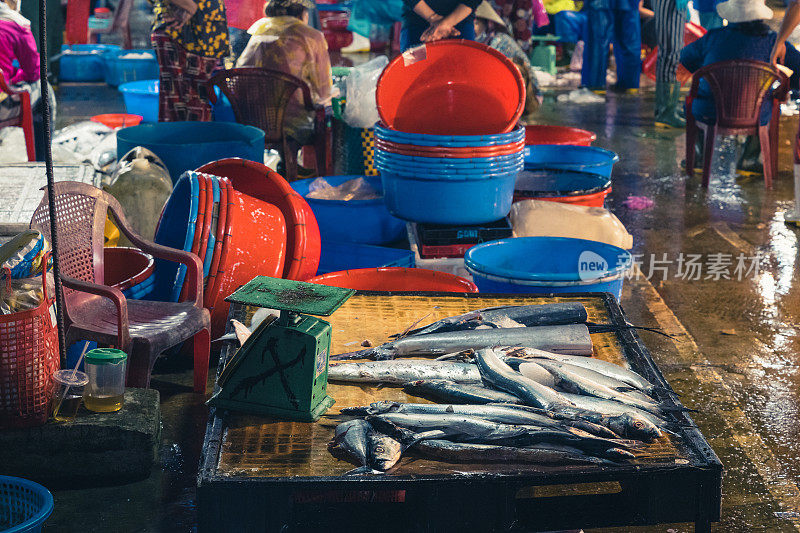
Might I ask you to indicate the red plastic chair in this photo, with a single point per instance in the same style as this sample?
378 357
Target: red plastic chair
25 118
739 88
259 98
95 311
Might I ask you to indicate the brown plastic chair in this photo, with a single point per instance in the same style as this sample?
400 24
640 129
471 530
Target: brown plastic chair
259 98
120 23
739 88
94 311
25 118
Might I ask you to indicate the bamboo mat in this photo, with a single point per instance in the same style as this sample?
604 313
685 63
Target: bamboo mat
255 446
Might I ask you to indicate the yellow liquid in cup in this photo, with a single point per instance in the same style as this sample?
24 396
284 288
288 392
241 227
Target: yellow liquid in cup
104 404
65 410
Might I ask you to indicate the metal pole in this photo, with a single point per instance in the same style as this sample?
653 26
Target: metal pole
48 161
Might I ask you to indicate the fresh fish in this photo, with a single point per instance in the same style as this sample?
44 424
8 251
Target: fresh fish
611 408
383 451
537 374
459 452
501 376
598 365
448 391
495 413
350 439
402 371
579 383
453 425
571 339
241 332
526 315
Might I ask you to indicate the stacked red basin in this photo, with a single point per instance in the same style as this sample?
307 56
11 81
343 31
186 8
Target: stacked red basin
448 147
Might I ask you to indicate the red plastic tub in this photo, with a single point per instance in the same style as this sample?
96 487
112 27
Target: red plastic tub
396 279
451 87
257 180
124 268
561 135
596 199
118 120
254 245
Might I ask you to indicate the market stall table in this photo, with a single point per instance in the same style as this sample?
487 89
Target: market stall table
259 473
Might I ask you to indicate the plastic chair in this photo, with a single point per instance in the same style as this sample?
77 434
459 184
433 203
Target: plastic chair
259 98
95 311
120 23
739 88
25 118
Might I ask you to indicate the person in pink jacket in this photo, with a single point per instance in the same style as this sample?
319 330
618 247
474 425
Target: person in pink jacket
17 44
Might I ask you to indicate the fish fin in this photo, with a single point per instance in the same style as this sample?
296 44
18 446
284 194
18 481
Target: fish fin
355 411
361 470
449 409
360 354
626 388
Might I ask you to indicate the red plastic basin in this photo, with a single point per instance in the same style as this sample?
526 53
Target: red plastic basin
561 135
596 199
439 151
395 279
118 120
257 180
451 87
124 268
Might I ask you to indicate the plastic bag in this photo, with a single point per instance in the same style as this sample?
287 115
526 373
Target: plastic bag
21 270
86 141
354 189
361 110
539 218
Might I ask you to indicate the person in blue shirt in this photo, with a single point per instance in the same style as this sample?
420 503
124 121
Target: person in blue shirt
747 36
433 20
610 21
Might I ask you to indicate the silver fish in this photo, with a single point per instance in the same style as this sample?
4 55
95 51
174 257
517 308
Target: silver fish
598 365
501 376
453 425
578 383
402 371
459 452
612 408
449 391
351 439
571 339
526 315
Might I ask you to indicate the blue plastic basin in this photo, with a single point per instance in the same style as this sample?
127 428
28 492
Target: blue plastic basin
24 505
588 159
559 183
421 139
84 62
547 265
357 221
454 200
455 162
444 173
121 70
185 146
336 256
141 98
222 111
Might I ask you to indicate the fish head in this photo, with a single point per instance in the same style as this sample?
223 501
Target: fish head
634 426
384 452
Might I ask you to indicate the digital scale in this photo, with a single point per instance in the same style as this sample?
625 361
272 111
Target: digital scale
281 370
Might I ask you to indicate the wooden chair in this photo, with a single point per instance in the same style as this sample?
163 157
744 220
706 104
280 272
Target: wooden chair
95 311
120 23
25 118
259 98
739 88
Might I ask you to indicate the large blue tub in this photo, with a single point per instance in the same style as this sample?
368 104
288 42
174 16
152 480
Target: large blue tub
586 159
547 265
84 62
356 221
186 146
141 98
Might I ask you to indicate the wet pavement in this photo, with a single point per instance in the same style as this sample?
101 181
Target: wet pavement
732 355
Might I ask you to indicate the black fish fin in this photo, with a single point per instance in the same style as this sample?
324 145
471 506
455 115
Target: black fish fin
613 328
449 409
627 388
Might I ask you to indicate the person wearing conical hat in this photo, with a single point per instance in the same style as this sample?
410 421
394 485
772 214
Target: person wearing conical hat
747 36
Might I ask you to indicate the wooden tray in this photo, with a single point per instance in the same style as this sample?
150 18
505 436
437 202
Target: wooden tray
676 479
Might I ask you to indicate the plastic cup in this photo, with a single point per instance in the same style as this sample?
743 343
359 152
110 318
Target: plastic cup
106 388
68 388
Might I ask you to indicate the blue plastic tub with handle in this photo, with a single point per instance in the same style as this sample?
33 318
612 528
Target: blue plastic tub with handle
472 199
123 66
356 221
141 98
587 159
186 146
336 256
547 265
24 505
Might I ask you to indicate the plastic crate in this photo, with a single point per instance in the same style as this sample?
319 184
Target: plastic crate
121 69
443 235
451 265
337 256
